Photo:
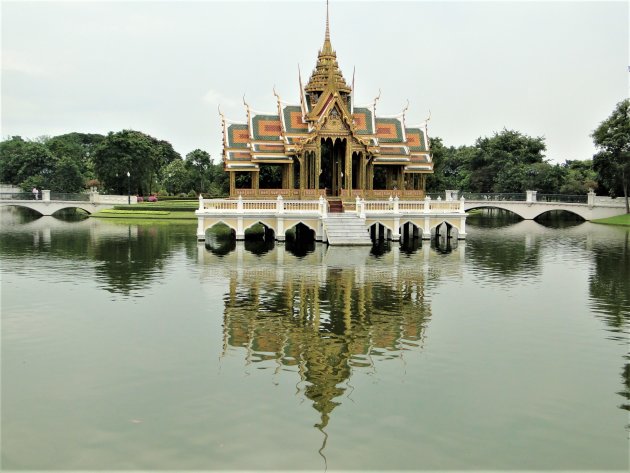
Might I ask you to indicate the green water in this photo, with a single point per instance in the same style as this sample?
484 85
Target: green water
129 346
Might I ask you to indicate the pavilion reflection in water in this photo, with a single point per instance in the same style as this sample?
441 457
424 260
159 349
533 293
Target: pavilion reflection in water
326 314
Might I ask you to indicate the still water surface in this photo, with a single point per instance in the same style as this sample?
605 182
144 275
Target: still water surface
130 346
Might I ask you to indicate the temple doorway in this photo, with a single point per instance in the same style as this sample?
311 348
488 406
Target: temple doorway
333 162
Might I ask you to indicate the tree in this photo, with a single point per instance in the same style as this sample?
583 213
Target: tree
177 178
612 162
67 177
579 177
131 151
219 181
497 154
199 163
451 167
79 147
22 161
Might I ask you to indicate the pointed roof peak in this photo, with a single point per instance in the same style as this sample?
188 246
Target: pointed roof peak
327 68
327 23
327 49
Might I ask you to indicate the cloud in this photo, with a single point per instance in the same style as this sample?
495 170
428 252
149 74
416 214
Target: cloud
16 62
229 105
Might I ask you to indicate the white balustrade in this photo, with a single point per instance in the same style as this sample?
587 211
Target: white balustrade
319 207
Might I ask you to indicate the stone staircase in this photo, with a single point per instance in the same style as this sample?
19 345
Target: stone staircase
346 229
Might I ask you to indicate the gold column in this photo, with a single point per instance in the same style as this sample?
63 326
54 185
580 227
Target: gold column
232 184
362 172
285 177
318 163
302 162
291 176
349 168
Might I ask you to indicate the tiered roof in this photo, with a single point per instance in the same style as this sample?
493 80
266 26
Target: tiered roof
278 137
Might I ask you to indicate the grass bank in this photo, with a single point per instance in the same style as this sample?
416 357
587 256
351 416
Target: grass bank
623 219
168 210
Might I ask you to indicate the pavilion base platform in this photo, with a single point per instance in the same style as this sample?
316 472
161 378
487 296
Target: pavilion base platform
360 223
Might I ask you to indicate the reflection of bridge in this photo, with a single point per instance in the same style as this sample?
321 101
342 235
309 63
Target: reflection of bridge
51 203
529 205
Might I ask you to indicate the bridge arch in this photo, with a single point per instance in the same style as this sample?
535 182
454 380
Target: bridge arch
450 225
571 211
376 233
413 230
48 209
270 229
211 224
510 209
301 230
303 222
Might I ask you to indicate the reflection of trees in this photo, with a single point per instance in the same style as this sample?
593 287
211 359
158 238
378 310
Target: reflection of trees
609 287
326 323
507 255
128 255
133 258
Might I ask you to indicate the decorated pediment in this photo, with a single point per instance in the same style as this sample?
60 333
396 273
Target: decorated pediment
334 122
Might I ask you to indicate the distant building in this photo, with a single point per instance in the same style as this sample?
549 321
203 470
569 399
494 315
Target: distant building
325 145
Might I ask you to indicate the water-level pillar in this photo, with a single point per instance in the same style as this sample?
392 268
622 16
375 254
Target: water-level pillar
461 231
280 218
396 229
240 231
201 234
426 228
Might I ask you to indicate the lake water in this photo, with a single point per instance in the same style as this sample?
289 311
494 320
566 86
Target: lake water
129 346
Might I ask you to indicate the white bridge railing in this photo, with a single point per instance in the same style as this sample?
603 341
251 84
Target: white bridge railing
319 207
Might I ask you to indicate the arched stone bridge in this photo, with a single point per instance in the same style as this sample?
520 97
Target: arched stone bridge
45 205
529 206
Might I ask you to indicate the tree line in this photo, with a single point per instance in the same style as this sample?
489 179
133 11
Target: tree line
74 162
511 162
506 162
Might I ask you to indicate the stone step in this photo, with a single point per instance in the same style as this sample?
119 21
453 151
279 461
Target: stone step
346 229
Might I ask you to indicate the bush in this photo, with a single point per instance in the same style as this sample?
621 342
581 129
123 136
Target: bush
140 198
152 198
192 194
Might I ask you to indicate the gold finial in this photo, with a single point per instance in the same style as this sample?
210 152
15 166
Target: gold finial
406 107
220 112
327 49
429 117
327 37
377 98
245 103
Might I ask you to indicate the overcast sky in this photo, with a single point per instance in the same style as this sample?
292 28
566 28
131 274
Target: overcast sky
552 69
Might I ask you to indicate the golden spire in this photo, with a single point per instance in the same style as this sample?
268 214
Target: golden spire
327 49
327 66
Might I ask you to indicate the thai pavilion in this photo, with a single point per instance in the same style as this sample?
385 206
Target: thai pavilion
325 145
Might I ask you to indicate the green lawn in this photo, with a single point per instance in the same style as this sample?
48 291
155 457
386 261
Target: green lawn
145 214
168 210
623 219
